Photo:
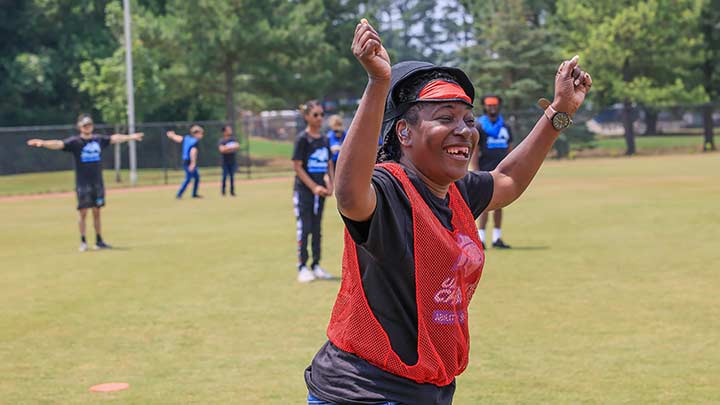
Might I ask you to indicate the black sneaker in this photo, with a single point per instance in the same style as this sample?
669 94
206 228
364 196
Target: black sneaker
499 244
102 245
197 196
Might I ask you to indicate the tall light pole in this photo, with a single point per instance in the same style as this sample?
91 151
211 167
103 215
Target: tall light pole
130 92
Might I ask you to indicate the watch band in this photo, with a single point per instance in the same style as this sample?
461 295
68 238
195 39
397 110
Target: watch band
543 103
550 112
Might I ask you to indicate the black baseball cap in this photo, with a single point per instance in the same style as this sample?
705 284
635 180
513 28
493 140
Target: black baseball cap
401 74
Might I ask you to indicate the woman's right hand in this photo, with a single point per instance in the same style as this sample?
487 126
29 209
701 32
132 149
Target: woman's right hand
367 48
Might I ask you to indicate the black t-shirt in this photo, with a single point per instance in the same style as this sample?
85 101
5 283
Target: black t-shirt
315 156
88 157
229 157
386 256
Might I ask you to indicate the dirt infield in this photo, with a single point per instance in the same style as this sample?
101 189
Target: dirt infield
30 197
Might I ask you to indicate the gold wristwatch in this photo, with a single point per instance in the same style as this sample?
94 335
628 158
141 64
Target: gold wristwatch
560 120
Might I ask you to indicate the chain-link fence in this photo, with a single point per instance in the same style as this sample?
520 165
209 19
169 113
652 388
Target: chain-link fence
266 140
601 133
157 155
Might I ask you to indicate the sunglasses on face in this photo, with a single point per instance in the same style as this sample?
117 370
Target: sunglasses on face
320 114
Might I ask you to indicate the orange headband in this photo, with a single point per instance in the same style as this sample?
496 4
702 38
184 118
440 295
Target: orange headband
491 101
438 90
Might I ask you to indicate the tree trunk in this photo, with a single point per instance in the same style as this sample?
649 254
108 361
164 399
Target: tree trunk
628 125
651 119
230 95
708 23
627 113
709 142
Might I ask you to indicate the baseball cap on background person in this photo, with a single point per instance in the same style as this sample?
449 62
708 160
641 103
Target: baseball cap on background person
84 119
403 72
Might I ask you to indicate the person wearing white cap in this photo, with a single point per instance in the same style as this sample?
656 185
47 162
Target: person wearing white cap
87 151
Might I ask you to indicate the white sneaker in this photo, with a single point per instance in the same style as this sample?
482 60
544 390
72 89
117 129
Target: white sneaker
83 247
318 272
305 275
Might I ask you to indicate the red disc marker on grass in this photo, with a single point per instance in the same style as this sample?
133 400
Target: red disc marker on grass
109 387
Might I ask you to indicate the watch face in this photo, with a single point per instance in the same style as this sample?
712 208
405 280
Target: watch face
561 120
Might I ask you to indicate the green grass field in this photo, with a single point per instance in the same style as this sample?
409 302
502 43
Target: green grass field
654 142
275 157
276 153
265 148
609 296
63 181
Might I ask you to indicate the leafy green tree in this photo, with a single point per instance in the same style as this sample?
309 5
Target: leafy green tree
638 51
44 43
273 49
513 57
103 79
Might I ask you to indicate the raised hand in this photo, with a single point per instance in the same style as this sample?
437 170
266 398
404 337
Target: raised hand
38 143
572 84
367 48
138 136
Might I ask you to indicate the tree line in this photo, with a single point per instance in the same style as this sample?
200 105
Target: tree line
206 59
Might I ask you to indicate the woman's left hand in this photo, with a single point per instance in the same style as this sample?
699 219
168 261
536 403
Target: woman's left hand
572 84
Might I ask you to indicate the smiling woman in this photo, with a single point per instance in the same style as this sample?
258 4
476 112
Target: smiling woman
398 331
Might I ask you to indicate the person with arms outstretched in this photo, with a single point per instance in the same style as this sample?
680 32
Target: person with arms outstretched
190 151
87 149
398 331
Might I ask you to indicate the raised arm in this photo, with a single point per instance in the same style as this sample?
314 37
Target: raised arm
120 138
53 144
514 174
353 179
174 137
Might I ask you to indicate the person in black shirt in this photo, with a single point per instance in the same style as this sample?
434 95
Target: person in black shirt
87 151
421 195
228 147
312 163
495 143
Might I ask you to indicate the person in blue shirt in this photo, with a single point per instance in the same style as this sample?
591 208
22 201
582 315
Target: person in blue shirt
190 144
336 135
312 164
495 143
